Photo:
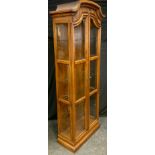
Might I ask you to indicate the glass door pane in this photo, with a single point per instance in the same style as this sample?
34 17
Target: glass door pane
79 80
65 127
93 71
63 81
93 75
79 41
80 77
93 103
62 41
80 117
93 39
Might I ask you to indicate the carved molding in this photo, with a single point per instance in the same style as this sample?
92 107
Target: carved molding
78 10
78 17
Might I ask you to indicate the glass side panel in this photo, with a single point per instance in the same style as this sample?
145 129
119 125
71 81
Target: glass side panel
79 41
93 102
93 38
63 81
80 80
62 42
80 117
93 75
65 120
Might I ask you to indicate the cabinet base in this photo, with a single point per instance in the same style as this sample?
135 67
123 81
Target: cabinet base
75 147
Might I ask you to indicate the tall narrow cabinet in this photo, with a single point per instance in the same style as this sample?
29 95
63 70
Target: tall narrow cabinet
77 41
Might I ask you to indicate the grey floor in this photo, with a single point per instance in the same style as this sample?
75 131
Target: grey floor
95 145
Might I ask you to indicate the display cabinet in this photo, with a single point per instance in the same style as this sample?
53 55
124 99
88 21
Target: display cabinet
77 40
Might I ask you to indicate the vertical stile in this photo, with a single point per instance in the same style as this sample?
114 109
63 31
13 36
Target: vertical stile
70 77
72 55
98 70
56 74
88 104
87 72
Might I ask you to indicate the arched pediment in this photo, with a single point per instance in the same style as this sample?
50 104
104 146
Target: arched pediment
81 8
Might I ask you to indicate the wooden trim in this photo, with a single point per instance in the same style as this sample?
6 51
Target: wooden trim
56 75
77 21
95 21
87 73
75 147
62 20
73 82
72 93
80 135
82 14
73 7
98 71
65 139
88 104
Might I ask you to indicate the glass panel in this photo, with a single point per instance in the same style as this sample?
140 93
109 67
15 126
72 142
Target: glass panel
80 117
93 39
65 120
93 75
79 41
93 101
62 41
80 80
63 79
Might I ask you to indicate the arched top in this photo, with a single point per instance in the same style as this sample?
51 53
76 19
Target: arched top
74 7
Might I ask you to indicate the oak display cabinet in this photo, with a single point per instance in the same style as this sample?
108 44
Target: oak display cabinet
77 40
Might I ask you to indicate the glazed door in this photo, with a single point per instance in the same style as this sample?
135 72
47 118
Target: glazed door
86 74
80 76
94 70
